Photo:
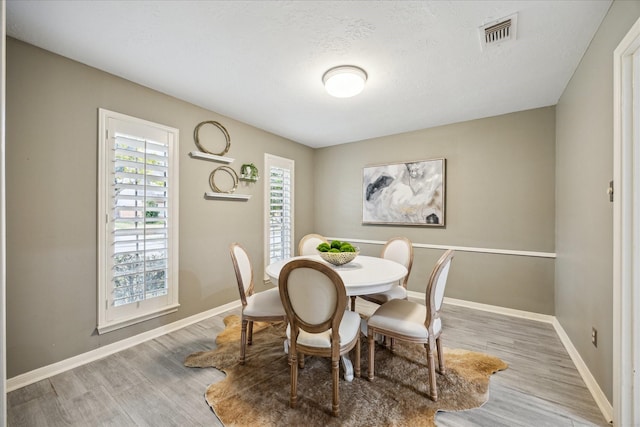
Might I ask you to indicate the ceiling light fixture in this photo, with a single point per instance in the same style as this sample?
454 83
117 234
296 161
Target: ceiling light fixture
344 81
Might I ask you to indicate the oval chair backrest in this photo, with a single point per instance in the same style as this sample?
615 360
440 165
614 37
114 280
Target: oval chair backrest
441 283
308 244
244 271
436 287
400 250
313 295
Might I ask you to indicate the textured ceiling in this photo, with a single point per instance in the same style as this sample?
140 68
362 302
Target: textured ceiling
261 62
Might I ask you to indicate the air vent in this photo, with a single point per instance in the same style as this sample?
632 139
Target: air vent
500 31
497 33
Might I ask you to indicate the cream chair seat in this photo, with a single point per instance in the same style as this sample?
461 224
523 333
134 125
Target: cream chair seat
348 328
263 306
405 318
410 321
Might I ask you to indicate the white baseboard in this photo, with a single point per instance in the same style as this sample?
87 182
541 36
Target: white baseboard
598 395
44 372
547 318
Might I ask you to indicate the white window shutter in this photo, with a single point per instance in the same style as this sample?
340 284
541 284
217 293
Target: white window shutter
138 277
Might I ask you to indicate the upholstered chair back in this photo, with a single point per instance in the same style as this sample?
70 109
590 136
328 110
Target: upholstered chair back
400 250
244 271
435 291
313 295
441 283
308 244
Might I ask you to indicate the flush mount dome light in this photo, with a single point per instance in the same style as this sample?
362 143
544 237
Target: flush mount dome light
344 81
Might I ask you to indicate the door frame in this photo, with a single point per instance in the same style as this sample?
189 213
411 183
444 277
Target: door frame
626 230
3 229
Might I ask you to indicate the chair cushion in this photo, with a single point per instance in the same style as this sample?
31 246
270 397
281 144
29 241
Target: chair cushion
404 317
397 292
263 304
349 328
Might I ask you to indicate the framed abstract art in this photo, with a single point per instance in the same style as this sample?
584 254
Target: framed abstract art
407 193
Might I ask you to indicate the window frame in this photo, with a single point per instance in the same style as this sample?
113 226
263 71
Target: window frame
111 318
271 160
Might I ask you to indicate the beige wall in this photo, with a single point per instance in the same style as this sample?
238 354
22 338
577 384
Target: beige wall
52 119
499 195
584 152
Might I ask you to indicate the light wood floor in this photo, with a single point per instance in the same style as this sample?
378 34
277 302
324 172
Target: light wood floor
147 385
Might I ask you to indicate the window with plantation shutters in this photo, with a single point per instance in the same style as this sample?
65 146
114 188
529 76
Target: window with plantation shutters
279 208
138 207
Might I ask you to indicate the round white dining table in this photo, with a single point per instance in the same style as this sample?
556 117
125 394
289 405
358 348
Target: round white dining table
364 275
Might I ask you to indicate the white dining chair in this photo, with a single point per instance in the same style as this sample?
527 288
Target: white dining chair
400 250
308 244
315 300
410 321
264 306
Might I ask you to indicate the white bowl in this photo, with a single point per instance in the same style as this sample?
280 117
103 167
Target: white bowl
338 258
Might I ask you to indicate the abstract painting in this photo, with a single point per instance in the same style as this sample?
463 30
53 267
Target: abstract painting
408 193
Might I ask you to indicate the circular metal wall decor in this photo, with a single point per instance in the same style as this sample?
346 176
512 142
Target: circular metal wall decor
228 170
196 137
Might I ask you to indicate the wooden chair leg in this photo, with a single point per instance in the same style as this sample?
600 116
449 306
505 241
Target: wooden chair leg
358 357
335 373
441 368
353 303
371 351
243 341
293 398
301 361
250 340
433 389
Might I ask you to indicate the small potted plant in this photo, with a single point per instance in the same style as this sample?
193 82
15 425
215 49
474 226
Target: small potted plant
249 171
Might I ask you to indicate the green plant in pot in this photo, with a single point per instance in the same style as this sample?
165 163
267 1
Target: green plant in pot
249 171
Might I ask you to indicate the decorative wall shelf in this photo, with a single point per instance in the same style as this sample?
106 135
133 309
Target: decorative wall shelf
210 157
214 195
243 178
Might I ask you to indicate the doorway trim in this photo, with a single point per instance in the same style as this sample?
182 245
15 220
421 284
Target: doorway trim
626 229
3 234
